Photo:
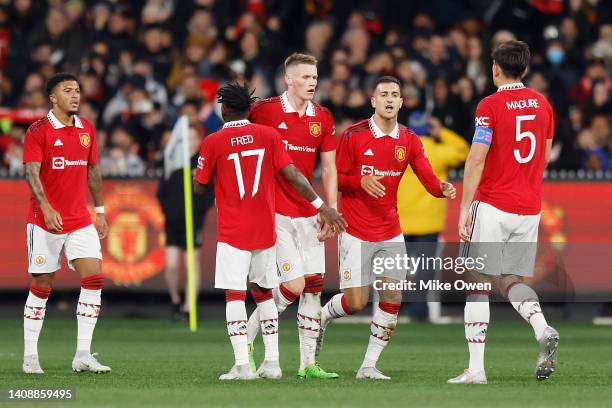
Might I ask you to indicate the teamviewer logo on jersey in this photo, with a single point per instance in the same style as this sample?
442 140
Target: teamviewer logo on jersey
57 163
367 170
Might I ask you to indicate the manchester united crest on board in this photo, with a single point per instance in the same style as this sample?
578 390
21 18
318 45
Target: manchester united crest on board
85 139
315 128
400 153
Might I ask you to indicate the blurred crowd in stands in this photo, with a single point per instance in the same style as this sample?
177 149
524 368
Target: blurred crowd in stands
142 63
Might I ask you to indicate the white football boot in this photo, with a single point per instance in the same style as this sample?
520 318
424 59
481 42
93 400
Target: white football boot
468 377
31 365
370 373
547 357
241 372
89 363
270 370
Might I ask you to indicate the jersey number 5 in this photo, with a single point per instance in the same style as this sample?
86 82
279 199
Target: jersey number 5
521 135
234 156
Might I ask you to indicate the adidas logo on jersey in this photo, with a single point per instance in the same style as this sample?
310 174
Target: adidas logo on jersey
58 143
369 152
282 125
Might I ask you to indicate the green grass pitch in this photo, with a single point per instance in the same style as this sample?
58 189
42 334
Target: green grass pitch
161 364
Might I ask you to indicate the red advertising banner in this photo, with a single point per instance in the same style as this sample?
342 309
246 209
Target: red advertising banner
573 212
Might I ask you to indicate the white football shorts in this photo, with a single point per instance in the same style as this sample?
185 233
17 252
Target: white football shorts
44 248
298 250
235 266
356 258
506 242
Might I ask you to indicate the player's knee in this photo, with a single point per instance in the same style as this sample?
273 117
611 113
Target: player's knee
296 285
356 304
507 282
391 296
43 280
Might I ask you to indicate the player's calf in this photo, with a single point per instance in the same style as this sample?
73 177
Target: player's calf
337 307
283 297
269 323
33 317
235 314
381 329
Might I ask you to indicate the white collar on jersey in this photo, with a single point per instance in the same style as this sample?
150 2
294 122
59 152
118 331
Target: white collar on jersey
59 125
509 87
287 108
378 131
236 123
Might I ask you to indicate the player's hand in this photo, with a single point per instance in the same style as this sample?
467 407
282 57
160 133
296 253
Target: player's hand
372 186
53 219
333 218
325 232
448 190
465 225
101 225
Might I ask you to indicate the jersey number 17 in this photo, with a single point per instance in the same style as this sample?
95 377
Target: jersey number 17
236 158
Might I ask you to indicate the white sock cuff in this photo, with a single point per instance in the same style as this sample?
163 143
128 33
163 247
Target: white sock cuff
35 301
90 296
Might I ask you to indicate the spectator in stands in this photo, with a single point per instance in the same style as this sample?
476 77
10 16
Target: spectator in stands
176 50
595 141
122 159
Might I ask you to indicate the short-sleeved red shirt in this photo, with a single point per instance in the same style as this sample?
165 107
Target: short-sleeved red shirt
243 159
64 152
303 138
365 150
515 122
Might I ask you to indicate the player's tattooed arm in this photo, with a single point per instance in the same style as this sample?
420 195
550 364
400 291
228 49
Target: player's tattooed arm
303 187
94 182
32 171
299 182
53 220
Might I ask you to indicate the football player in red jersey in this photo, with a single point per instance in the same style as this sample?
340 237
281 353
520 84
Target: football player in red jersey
244 158
372 157
501 202
307 130
60 156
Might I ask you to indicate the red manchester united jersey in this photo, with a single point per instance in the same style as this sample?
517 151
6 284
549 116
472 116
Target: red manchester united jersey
516 122
63 153
365 150
303 137
243 158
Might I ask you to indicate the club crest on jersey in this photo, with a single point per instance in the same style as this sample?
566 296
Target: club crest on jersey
346 274
85 139
286 266
400 153
315 128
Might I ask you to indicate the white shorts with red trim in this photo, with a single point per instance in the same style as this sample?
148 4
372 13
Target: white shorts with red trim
356 259
44 248
506 242
298 250
235 266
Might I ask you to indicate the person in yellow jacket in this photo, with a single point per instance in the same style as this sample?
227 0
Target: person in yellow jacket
422 216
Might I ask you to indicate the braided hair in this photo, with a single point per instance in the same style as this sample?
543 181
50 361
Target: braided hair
236 97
